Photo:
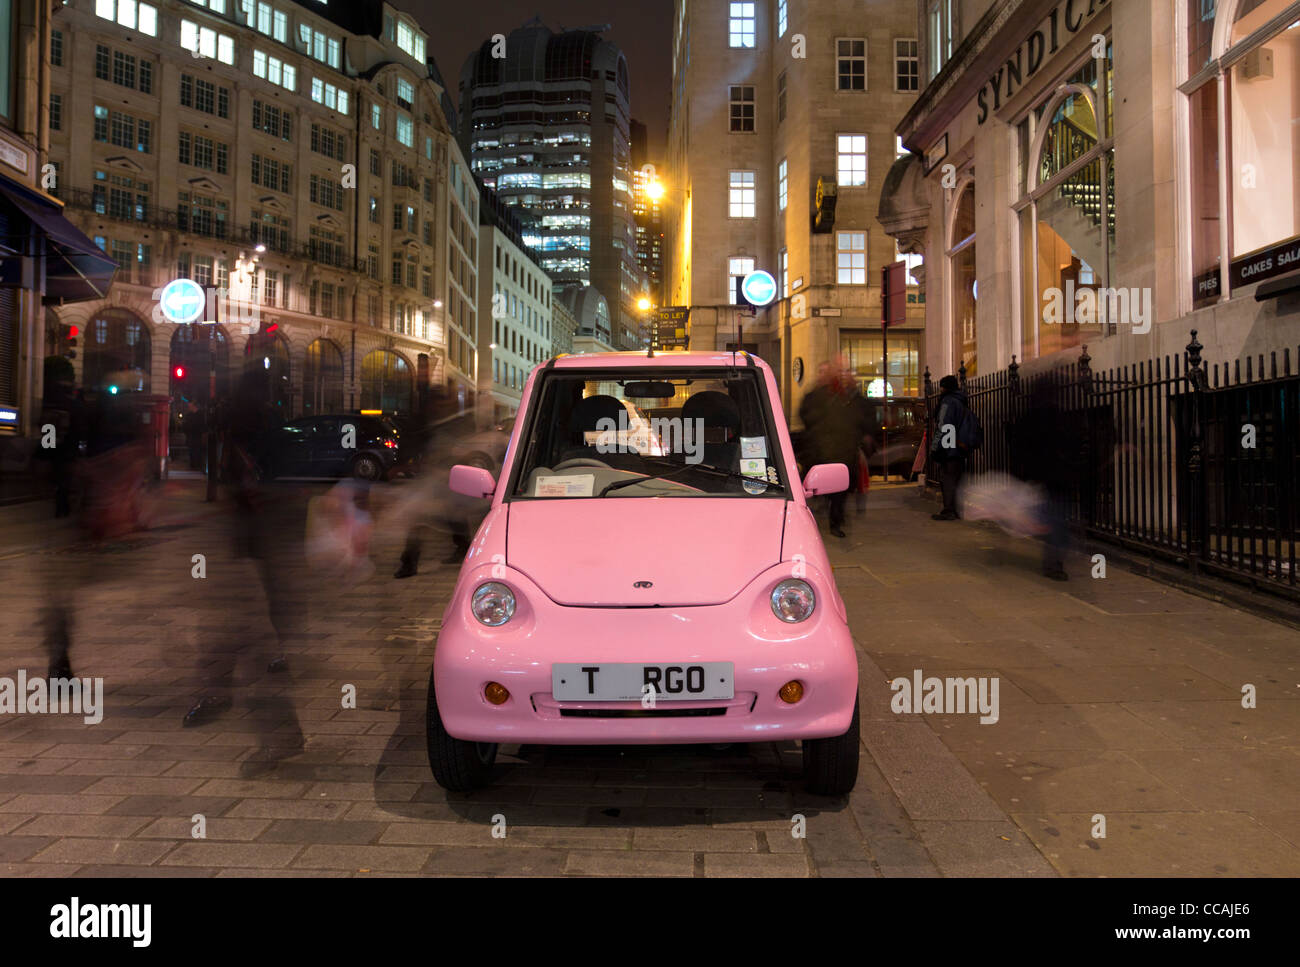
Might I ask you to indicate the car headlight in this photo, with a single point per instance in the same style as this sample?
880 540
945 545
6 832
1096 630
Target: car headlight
793 600
493 604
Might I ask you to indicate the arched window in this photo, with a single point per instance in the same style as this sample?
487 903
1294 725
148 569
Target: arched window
118 353
1066 211
1242 71
964 291
322 379
272 355
385 382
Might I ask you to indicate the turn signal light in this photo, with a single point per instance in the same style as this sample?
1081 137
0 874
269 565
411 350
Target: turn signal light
791 692
496 694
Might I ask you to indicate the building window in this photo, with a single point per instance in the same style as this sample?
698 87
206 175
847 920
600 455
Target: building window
320 47
56 112
907 66
741 196
850 64
742 108
781 179
329 95
201 152
375 168
1252 112
328 142
206 42
405 130
782 17
271 173
376 116
740 29
737 268
940 21
784 270
851 258
405 93
103 61
273 69
851 159
961 257
56 48
272 120
129 13
325 192
780 97
205 96
1066 214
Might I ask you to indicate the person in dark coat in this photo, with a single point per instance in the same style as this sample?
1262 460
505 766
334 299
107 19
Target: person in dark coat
835 420
945 450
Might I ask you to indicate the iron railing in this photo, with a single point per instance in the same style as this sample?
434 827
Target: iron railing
1196 463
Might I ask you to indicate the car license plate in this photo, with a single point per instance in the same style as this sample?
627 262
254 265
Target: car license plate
626 681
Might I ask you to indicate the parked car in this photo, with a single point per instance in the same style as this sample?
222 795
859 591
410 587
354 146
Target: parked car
619 594
897 426
318 446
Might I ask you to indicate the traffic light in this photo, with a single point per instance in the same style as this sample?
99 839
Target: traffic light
179 372
68 341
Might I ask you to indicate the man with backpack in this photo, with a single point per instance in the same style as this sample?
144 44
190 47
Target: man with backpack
957 433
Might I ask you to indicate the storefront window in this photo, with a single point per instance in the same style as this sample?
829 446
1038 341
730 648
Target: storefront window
863 355
1067 213
965 290
1253 106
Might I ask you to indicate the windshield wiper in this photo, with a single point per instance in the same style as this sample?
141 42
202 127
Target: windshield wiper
708 468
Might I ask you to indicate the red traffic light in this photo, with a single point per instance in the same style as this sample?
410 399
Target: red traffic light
180 372
73 332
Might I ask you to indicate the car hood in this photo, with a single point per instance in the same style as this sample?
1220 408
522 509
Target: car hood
692 551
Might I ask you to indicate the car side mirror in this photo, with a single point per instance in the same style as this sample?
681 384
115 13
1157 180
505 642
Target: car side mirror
477 482
826 478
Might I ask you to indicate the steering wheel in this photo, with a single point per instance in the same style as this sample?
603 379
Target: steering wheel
581 462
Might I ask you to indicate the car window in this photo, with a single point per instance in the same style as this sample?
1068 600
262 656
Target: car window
662 432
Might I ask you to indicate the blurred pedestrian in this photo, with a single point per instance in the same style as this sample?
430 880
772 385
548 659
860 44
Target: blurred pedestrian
835 418
268 525
192 423
1045 450
947 449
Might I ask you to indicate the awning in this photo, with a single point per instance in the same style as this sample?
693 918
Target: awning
76 269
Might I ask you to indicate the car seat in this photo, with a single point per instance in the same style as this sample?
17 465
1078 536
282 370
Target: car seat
585 418
721 421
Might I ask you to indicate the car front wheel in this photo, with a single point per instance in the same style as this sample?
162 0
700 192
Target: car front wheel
830 766
457 765
366 467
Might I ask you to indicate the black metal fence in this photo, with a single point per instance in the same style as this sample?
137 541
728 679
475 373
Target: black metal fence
1194 462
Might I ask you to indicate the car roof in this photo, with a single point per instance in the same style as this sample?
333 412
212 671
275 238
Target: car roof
667 360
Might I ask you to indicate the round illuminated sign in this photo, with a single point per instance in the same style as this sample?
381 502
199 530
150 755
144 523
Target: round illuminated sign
182 300
758 288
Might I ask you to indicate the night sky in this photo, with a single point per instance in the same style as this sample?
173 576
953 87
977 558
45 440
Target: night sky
641 28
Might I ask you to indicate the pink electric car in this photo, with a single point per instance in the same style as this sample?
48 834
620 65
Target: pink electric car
649 573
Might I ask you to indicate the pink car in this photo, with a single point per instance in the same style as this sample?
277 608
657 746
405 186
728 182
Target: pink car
660 588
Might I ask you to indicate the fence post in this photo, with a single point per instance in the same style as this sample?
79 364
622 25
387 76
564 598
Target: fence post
1195 478
928 440
1013 375
1087 479
961 375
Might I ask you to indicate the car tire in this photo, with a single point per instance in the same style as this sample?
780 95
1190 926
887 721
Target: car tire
366 467
457 765
830 766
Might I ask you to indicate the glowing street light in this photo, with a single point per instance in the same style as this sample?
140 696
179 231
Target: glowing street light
644 304
655 189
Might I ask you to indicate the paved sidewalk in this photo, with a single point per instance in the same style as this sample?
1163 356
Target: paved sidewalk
1120 698
1117 697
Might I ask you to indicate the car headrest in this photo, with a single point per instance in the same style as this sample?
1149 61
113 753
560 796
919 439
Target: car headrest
715 409
590 411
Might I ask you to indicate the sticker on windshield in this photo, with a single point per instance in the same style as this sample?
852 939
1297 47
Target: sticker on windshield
752 447
754 467
577 485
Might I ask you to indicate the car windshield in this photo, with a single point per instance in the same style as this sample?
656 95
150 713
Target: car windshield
649 432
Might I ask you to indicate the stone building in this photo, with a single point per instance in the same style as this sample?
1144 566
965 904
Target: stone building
1115 175
297 161
781 138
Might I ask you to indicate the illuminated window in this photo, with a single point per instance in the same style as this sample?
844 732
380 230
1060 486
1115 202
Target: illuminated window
851 159
782 17
740 31
130 13
851 258
741 196
781 184
737 268
274 70
207 42
329 95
